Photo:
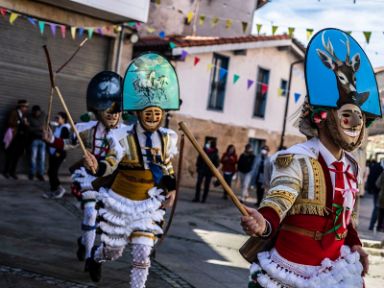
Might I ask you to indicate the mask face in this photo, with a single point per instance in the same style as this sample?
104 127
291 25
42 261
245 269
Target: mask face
150 118
264 151
348 125
109 118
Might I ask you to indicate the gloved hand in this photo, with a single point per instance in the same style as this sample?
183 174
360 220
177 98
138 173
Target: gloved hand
83 179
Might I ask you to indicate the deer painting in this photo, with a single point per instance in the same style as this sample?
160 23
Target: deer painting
344 72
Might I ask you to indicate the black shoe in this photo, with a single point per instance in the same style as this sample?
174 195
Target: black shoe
6 175
203 201
14 176
195 200
80 250
30 177
40 177
94 268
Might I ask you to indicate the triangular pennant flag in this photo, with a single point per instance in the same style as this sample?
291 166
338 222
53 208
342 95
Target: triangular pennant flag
13 17
297 97
53 29
73 32
90 33
131 24
245 26
63 30
3 11
249 83
214 21
280 92
258 27
99 30
201 20
264 88
172 45
184 54
41 27
274 29
150 29
210 66
222 73
235 78
189 17
32 21
309 33
158 2
291 30
196 60
162 34
81 32
228 23
367 35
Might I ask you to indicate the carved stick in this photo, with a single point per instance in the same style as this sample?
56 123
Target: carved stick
213 169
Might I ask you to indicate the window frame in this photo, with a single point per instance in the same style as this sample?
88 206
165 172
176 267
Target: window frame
259 68
214 71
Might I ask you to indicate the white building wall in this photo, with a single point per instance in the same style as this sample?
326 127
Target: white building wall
239 101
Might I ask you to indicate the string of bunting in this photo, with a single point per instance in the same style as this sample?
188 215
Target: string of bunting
236 77
54 27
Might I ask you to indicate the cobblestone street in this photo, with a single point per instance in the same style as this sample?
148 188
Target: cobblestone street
38 244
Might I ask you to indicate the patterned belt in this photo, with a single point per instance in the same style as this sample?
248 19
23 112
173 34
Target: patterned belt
317 235
138 180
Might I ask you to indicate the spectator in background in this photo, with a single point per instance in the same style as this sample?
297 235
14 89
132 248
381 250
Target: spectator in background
229 161
37 161
259 167
244 168
375 170
203 171
18 127
56 156
380 201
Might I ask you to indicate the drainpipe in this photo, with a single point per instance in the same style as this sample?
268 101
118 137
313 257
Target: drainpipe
287 102
119 49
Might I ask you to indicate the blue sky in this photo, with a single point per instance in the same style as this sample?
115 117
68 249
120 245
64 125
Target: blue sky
365 15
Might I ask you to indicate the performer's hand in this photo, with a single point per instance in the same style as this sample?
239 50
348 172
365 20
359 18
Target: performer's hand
83 179
363 258
170 199
47 135
254 224
90 161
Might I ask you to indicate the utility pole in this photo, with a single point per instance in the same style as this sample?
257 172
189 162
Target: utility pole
287 102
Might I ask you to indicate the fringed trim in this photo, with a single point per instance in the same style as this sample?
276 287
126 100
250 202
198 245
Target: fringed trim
112 218
112 230
308 209
345 272
89 195
113 241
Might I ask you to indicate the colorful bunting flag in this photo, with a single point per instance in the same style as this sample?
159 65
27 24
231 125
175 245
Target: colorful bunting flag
291 30
309 33
150 29
264 88
228 23
201 20
214 21
184 54
210 66
63 30
297 97
196 60
32 21
158 2
235 78
90 33
132 24
73 32
274 29
367 35
172 45
41 27
258 27
349 32
162 34
13 17
99 30
249 83
280 92
189 17
222 73
245 26
81 32
53 29
3 11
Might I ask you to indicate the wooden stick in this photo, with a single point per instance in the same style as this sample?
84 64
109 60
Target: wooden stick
50 100
82 146
73 55
213 169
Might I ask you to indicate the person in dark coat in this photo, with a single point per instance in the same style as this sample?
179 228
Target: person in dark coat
244 167
203 171
18 124
375 170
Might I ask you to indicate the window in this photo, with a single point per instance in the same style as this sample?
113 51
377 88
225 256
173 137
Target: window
218 82
283 87
261 92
